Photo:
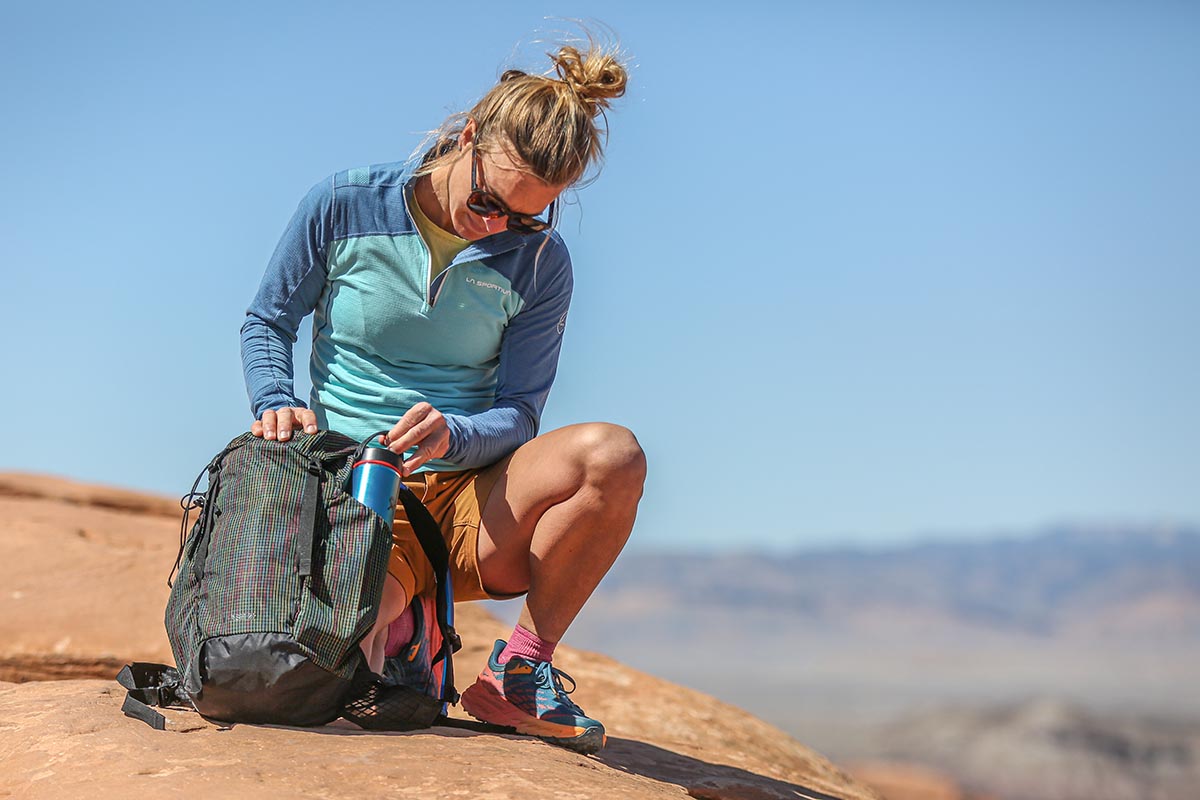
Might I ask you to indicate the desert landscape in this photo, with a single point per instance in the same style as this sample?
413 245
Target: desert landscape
83 571
1048 667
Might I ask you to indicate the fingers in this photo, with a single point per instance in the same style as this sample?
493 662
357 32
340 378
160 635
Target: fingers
423 427
279 423
307 418
283 424
415 426
266 425
435 446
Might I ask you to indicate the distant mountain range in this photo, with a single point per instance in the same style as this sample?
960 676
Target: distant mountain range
1049 750
1024 666
1132 582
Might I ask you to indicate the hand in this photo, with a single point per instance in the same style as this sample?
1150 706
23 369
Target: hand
423 426
281 422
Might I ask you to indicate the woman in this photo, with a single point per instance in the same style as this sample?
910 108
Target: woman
440 295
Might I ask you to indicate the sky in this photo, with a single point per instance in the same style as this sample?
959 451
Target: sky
853 273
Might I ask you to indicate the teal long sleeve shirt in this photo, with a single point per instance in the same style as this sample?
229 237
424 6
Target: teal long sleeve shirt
479 342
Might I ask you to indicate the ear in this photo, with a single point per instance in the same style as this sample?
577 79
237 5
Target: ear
467 137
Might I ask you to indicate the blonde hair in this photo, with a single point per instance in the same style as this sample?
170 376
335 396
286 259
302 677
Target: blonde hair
552 122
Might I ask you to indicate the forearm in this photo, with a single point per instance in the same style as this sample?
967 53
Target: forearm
482 439
288 293
267 365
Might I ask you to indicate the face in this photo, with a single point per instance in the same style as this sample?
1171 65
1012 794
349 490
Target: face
504 176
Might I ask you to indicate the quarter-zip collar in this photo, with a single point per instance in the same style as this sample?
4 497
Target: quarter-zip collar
487 247
493 245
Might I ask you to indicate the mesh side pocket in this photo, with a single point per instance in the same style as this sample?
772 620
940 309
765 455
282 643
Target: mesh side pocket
378 707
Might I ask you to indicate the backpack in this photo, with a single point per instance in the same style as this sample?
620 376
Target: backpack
278 581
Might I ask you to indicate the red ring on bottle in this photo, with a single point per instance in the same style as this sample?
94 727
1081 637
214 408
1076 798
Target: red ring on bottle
392 467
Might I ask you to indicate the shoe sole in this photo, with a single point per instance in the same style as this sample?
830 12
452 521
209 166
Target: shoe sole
486 704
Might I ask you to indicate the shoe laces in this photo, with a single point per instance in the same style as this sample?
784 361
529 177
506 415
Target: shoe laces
551 677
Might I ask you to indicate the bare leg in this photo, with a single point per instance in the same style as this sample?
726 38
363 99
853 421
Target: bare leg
557 519
390 607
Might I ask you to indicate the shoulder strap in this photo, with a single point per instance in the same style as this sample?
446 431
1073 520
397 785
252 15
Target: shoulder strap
310 501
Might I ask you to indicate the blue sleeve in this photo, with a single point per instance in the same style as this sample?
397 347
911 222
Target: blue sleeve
289 292
528 362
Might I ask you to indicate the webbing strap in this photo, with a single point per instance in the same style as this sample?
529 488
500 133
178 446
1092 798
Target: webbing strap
472 725
137 709
149 685
208 519
427 530
308 517
429 534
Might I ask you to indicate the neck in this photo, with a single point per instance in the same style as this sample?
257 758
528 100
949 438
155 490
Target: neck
433 193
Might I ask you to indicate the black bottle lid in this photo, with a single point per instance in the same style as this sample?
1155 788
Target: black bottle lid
382 454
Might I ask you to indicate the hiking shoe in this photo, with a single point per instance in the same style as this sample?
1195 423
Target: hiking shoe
530 697
415 663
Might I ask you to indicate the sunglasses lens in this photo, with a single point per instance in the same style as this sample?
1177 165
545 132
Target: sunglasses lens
483 205
526 225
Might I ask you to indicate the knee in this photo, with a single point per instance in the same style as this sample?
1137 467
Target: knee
610 456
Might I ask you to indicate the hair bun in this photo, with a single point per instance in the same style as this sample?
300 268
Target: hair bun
595 77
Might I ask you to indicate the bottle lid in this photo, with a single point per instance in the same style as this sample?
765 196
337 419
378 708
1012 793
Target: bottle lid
382 454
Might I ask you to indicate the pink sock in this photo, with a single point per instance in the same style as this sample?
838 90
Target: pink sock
400 633
527 645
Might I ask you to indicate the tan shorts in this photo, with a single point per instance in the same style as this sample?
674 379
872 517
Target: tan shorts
456 501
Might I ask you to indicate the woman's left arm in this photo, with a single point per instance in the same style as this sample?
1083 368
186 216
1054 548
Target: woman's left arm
528 362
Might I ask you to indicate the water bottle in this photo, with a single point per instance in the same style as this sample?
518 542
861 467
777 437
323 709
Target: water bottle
375 481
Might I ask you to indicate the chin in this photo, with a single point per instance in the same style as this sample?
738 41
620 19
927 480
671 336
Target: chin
473 228
470 227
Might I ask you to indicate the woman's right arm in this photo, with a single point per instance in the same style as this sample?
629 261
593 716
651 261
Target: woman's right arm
290 289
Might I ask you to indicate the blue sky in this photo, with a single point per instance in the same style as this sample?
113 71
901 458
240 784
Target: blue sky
853 272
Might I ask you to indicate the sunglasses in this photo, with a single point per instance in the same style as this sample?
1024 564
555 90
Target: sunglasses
486 204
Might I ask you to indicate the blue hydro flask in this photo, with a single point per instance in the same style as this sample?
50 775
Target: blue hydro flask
375 481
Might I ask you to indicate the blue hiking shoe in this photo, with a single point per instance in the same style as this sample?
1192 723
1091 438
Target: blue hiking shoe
530 697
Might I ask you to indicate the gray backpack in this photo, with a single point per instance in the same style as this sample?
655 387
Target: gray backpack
279 580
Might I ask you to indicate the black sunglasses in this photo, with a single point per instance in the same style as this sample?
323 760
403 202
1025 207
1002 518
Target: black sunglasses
486 204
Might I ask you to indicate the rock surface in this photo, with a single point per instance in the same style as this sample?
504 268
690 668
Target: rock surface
82 591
